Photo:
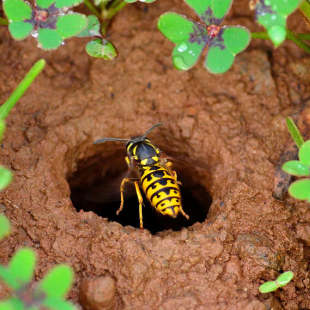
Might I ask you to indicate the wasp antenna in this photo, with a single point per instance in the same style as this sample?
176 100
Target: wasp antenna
110 139
149 130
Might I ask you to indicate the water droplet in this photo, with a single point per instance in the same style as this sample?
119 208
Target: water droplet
34 33
191 52
182 47
179 63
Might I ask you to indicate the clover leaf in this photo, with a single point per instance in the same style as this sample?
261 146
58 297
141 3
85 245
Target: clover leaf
272 14
49 292
190 38
282 280
48 20
299 189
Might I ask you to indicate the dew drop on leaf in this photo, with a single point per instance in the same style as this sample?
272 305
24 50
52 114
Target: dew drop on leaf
182 47
35 33
179 63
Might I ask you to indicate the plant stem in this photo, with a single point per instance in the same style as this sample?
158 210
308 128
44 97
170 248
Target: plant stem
260 35
108 14
293 37
21 88
3 21
104 3
92 8
304 36
305 9
296 38
116 6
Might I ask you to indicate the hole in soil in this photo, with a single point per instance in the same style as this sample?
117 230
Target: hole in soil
95 187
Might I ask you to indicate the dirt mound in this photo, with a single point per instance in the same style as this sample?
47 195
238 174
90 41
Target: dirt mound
225 134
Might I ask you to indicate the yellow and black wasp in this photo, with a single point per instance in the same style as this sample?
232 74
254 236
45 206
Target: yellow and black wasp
153 174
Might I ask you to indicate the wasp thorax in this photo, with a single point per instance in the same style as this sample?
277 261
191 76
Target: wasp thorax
143 152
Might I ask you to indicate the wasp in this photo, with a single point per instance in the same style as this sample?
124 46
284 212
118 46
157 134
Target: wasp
153 174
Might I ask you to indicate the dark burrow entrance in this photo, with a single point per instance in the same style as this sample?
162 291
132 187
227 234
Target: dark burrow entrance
95 186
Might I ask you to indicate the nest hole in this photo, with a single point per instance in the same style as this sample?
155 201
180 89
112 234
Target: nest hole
95 186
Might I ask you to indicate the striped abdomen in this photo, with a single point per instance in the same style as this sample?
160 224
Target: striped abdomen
161 189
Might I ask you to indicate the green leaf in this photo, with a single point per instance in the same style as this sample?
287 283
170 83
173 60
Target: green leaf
20 30
179 30
219 60
71 24
236 38
5 178
16 10
175 27
44 4
285 7
101 49
220 8
275 23
199 6
12 304
284 278
5 226
268 287
67 3
8 278
6 305
22 265
297 168
49 39
304 153
57 304
186 54
92 29
295 133
268 20
300 189
57 282
2 128
277 34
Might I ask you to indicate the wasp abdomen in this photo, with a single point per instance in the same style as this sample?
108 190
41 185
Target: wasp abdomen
161 189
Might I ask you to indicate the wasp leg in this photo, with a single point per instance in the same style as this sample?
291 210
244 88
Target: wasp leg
128 162
140 199
122 189
183 213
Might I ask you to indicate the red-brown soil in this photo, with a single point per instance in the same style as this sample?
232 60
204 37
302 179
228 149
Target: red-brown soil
225 133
